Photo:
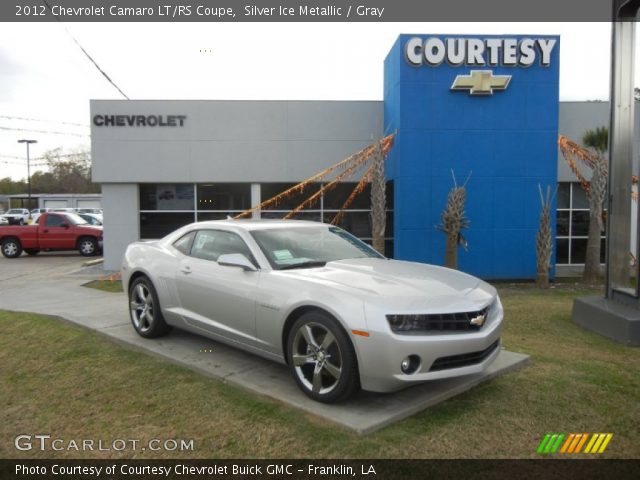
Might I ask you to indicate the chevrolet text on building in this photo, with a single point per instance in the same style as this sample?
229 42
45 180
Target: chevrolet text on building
433 51
139 120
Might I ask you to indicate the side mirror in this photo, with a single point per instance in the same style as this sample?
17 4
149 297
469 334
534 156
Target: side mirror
65 225
236 260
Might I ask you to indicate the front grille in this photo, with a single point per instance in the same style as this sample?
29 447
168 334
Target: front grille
437 322
463 360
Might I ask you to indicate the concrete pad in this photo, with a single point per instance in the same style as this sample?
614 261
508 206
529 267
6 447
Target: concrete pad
608 318
62 295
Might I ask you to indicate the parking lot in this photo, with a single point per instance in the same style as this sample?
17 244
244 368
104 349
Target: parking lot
43 266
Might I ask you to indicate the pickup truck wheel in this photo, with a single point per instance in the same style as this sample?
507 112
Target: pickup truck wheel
11 247
21 222
87 246
31 251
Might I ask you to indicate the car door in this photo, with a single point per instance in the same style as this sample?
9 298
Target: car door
218 299
56 233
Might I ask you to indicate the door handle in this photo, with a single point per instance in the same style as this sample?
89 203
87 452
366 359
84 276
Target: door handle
186 270
46 231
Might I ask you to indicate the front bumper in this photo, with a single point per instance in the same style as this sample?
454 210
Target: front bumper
457 354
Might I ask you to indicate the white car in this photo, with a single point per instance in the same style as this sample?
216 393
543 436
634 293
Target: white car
92 218
36 212
17 216
316 298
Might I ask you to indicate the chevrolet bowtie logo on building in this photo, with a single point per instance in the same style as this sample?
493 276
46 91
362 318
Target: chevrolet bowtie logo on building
481 82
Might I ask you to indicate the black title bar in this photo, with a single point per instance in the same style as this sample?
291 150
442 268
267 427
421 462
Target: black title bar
306 11
317 469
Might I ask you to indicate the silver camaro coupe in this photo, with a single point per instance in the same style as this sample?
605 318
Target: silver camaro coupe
311 295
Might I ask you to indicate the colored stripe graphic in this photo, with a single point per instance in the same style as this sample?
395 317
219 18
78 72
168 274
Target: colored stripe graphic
543 443
567 443
550 443
573 443
598 443
581 442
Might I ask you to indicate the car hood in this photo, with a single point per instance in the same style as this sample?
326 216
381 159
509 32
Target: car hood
412 285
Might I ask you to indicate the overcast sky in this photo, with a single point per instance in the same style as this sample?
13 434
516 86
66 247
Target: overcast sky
45 76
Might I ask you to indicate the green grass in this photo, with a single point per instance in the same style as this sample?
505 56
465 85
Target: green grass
112 286
75 384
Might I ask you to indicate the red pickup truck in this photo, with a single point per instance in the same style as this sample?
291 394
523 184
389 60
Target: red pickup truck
54 231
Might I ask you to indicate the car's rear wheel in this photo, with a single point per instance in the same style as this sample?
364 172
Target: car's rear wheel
144 309
31 251
321 358
11 247
87 246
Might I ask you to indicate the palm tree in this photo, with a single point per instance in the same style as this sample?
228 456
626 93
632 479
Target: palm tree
597 140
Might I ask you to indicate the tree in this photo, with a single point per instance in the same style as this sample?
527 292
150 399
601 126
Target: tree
378 200
594 157
68 173
9 187
597 140
544 244
454 220
71 173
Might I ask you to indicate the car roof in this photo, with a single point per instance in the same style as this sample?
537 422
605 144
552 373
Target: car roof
260 224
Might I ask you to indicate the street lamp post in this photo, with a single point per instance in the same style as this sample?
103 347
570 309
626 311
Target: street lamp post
28 142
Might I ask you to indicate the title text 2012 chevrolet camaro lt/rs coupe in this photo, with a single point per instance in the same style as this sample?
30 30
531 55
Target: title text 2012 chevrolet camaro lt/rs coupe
311 295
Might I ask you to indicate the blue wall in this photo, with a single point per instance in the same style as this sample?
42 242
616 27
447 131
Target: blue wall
507 140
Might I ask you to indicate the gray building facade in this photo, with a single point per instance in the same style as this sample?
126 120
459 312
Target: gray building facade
164 163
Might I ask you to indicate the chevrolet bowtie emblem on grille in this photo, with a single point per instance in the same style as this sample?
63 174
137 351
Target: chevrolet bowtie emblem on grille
478 321
481 82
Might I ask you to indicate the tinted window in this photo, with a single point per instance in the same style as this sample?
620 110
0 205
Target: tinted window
166 196
224 196
159 224
183 244
55 221
210 244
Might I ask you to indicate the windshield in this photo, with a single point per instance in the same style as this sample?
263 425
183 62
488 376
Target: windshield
287 248
16 211
75 219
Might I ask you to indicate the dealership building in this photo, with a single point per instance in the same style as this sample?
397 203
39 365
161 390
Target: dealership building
484 109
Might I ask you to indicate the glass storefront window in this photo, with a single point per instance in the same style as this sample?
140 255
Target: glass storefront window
564 195
562 250
335 198
154 225
579 223
269 190
562 224
572 225
166 196
579 197
224 196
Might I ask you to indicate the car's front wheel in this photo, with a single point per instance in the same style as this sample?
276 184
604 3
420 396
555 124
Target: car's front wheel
11 247
321 358
144 309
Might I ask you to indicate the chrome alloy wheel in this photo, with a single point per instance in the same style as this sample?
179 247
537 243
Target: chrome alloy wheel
10 249
142 308
317 358
87 247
